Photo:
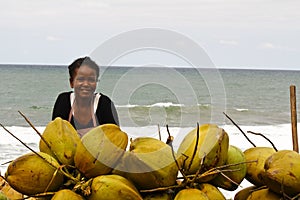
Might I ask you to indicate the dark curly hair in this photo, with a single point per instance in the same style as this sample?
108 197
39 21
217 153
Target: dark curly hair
82 61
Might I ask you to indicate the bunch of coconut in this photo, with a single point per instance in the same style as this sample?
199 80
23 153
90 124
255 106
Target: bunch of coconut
70 167
100 166
274 174
208 162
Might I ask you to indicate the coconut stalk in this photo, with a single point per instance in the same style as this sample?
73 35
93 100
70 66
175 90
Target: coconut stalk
274 147
42 138
294 117
33 151
239 129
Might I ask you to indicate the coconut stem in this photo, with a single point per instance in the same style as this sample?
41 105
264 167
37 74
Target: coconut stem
32 126
26 145
38 196
173 154
20 140
159 134
265 138
51 181
42 138
161 189
295 197
199 169
239 129
195 149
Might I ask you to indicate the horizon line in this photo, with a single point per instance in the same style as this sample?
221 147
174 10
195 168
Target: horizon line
175 66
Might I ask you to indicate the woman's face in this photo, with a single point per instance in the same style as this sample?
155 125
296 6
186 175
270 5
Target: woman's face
85 82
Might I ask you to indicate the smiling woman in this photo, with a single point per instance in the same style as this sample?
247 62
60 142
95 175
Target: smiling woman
84 108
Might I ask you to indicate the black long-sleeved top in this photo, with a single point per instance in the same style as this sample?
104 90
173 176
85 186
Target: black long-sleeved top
105 112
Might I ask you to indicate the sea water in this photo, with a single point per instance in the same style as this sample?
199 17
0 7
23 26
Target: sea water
148 99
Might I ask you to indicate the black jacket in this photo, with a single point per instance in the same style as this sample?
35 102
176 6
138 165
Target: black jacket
105 113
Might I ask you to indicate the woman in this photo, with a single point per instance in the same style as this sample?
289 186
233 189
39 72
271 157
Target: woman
84 108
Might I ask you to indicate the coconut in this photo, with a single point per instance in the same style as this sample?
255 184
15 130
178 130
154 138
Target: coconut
149 164
111 187
244 193
236 172
263 194
211 191
62 138
282 172
191 194
3 196
31 174
66 194
212 144
8 191
256 157
100 150
157 196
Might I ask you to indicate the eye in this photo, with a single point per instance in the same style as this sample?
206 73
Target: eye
91 79
80 79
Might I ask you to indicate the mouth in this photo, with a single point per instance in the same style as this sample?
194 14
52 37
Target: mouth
86 90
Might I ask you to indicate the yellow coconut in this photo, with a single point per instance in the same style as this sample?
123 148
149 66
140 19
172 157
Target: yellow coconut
244 193
149 164
282 172
62 138
191 194
211 191
100 150
66 194
8 191
3 196
113 187
213 144
256 157
157 196
30 174
229 180
263 194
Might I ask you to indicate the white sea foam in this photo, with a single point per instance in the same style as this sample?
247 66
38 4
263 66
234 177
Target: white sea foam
242 109
280 135
160 104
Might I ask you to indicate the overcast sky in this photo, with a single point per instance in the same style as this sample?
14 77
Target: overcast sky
233 33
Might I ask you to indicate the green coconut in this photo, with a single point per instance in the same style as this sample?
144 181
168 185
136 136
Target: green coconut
212 144
66 194
256 157
31 174
148 164
191 194
282 172
237 170
100 150
62 138
112 187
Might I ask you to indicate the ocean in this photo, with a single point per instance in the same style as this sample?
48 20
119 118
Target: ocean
150 98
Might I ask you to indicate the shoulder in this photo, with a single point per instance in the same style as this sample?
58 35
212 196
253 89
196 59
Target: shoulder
64 95
104 98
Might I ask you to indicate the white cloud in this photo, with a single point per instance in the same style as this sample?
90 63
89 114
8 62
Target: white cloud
229 42
272 46
268 45
53 38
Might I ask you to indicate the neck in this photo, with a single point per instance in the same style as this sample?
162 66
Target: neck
83 102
